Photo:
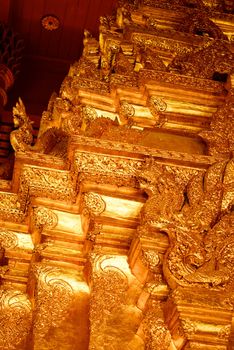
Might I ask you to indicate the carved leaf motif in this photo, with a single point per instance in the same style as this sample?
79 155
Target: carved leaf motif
109 315
204 62
220 137
55 184
89 113
95 163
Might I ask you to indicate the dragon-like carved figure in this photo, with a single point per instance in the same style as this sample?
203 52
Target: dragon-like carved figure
202 235
199 220
22 138
165 194
52 140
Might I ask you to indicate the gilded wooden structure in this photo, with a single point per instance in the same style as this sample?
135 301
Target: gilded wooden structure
117 226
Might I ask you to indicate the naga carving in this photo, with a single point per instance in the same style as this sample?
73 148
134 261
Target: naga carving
200 24
22 138
199 220
165 194
220 137
214 61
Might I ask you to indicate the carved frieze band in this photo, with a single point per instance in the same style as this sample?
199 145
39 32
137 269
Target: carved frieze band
102 160
56 184
98 163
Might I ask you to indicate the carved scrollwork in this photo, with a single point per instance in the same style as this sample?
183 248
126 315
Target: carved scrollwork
157 106
44 218
126 109
93 231
94 203
8 240
158 103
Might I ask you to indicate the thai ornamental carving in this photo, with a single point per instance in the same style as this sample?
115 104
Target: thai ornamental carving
22 138
199 225
44 218
8 240
53 299
94 203
15 318
201 231
220 136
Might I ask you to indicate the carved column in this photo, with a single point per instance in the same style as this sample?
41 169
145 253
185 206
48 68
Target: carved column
114 316
61 308
15 320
